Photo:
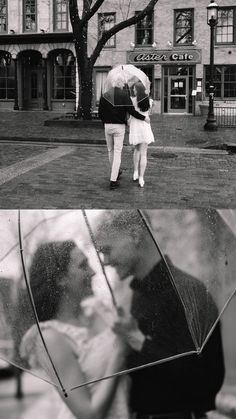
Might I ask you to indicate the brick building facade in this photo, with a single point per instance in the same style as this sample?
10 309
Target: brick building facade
172 45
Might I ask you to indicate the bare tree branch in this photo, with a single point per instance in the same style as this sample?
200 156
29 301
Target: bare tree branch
119 26
87 16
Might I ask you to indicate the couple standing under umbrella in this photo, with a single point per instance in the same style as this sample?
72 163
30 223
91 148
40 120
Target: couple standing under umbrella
126 93
153 330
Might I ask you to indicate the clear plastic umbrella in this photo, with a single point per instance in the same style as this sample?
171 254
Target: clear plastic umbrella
187 257
120 84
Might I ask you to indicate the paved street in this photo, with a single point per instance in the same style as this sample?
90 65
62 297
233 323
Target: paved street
67 167
77 176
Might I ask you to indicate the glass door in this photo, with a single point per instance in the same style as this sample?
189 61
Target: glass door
178 94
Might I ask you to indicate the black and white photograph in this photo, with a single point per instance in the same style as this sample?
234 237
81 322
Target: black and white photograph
117 104
116 313
117 209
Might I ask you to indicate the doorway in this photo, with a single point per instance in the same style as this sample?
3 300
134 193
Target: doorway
177 89
32 80
178 94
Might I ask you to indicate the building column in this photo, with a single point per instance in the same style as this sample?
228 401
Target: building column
45 88
16 105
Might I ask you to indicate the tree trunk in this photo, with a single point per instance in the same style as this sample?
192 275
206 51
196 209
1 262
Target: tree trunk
84 109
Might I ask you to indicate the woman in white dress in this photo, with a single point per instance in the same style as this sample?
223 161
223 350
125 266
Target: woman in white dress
140 132
60 278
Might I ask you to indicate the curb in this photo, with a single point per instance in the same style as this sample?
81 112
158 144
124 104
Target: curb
53 140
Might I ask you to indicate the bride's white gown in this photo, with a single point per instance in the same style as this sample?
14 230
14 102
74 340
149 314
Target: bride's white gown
92 353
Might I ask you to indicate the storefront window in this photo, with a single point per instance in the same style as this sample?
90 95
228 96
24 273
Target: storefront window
3 16
64 75
144 30
60 15
105 22
183 27
224 81
7 76
225 26
29 13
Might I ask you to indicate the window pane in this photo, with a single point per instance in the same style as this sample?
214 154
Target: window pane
105 22
225 26
183 27
30 15
144 30
3 16
60 15
7 76
63 75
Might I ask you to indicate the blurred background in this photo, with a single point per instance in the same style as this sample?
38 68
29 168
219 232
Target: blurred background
200 242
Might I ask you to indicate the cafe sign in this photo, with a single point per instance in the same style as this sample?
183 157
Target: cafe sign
164 57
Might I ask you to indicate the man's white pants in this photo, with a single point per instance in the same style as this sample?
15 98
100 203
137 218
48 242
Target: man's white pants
114 134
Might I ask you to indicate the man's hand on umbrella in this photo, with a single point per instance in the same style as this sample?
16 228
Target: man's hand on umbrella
126 326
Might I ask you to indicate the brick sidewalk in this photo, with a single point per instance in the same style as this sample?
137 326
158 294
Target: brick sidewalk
77 176
169 130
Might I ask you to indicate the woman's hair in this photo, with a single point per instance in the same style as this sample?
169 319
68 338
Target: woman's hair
142 97
49 264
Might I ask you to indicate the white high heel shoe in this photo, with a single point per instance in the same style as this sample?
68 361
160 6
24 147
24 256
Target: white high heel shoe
135 176
141 182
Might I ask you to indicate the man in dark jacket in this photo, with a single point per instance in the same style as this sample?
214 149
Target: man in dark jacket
113 109
163 325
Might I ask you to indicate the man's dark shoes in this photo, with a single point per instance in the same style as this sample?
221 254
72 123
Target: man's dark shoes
119 174
114 184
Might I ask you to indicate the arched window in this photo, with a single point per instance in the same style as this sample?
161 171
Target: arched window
7 76
63 75
3 16
60 15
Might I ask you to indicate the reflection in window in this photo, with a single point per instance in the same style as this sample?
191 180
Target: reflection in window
224 81
183 27
60 15
7 76
3 16
105 22
64 75
29 15
144 30
225 26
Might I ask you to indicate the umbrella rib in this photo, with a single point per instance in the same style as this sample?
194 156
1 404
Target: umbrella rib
140 367
170 273
99 258
33 305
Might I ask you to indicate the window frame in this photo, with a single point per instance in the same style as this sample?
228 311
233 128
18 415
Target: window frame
6 17
152 31
113 38
55 20
102 69
222 81
24 17
189 9
8 77
234 26
53 56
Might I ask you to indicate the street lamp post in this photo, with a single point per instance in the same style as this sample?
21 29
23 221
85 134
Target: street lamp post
212 19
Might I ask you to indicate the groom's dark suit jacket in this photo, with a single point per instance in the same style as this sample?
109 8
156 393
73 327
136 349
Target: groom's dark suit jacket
185 384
